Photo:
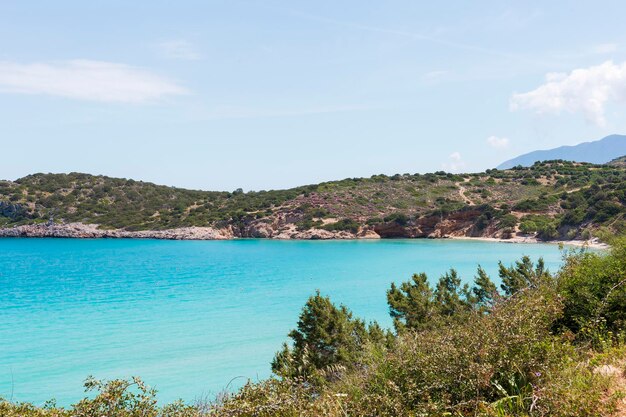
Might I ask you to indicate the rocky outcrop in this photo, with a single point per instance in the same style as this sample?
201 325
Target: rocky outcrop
462 223
455 224
459 223
394 230
12 211
80 230
313 234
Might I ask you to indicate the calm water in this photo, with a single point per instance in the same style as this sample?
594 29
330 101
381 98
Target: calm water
190 316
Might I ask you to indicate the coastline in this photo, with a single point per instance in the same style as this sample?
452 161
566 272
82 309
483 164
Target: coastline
593 244
91 231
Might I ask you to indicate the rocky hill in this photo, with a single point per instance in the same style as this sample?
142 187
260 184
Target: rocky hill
619 162
550 200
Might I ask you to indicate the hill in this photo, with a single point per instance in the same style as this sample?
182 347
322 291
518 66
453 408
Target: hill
618 162
598 152
549 200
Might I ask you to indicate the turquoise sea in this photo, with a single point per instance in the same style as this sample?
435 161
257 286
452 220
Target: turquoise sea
191 316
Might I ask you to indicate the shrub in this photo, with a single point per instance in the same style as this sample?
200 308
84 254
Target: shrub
593 286
115 398
373 221
543 226
347 225
398 218
507 221
462 368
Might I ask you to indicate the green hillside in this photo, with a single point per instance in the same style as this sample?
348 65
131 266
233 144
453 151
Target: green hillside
553 199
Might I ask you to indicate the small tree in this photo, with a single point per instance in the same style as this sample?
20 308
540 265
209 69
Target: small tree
411 305
451 297
415 305
326 336
523 274
485 292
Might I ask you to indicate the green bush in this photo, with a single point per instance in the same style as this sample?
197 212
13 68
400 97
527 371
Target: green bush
347 225
545 227
373 221
460 368
398 218
593 286
507 221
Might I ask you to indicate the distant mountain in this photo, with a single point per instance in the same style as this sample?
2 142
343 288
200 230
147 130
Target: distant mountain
598 152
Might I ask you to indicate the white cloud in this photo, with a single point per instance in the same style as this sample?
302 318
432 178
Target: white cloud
455 162
497 142
86 80
179 49
585 90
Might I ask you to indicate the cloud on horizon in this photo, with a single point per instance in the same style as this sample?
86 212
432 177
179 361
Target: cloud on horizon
455 162
584 90
86 80
497 142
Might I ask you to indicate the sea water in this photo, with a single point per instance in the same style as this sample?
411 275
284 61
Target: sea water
193 318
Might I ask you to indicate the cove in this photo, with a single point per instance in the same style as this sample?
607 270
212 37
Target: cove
189 317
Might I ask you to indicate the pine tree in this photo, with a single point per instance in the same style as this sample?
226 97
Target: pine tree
450 296
522 275
412 305
326 335
485 292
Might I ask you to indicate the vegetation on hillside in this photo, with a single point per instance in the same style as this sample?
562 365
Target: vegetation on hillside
541 344
619 162
550 199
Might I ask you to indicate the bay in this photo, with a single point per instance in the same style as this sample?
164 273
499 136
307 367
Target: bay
193 317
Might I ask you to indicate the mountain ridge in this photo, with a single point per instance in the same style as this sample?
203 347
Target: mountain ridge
597 152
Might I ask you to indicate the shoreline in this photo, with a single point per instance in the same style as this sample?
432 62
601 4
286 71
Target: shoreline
593 244
91 231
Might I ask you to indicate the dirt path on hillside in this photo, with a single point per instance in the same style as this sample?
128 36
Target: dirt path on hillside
462 191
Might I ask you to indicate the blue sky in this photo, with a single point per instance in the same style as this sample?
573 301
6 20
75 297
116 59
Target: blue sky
272 94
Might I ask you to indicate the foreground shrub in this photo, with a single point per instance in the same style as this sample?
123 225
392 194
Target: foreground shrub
593 286
459 368
573 387
115 398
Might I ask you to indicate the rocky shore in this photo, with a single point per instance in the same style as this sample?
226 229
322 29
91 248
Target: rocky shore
91 231
289 232
264 230
85 231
